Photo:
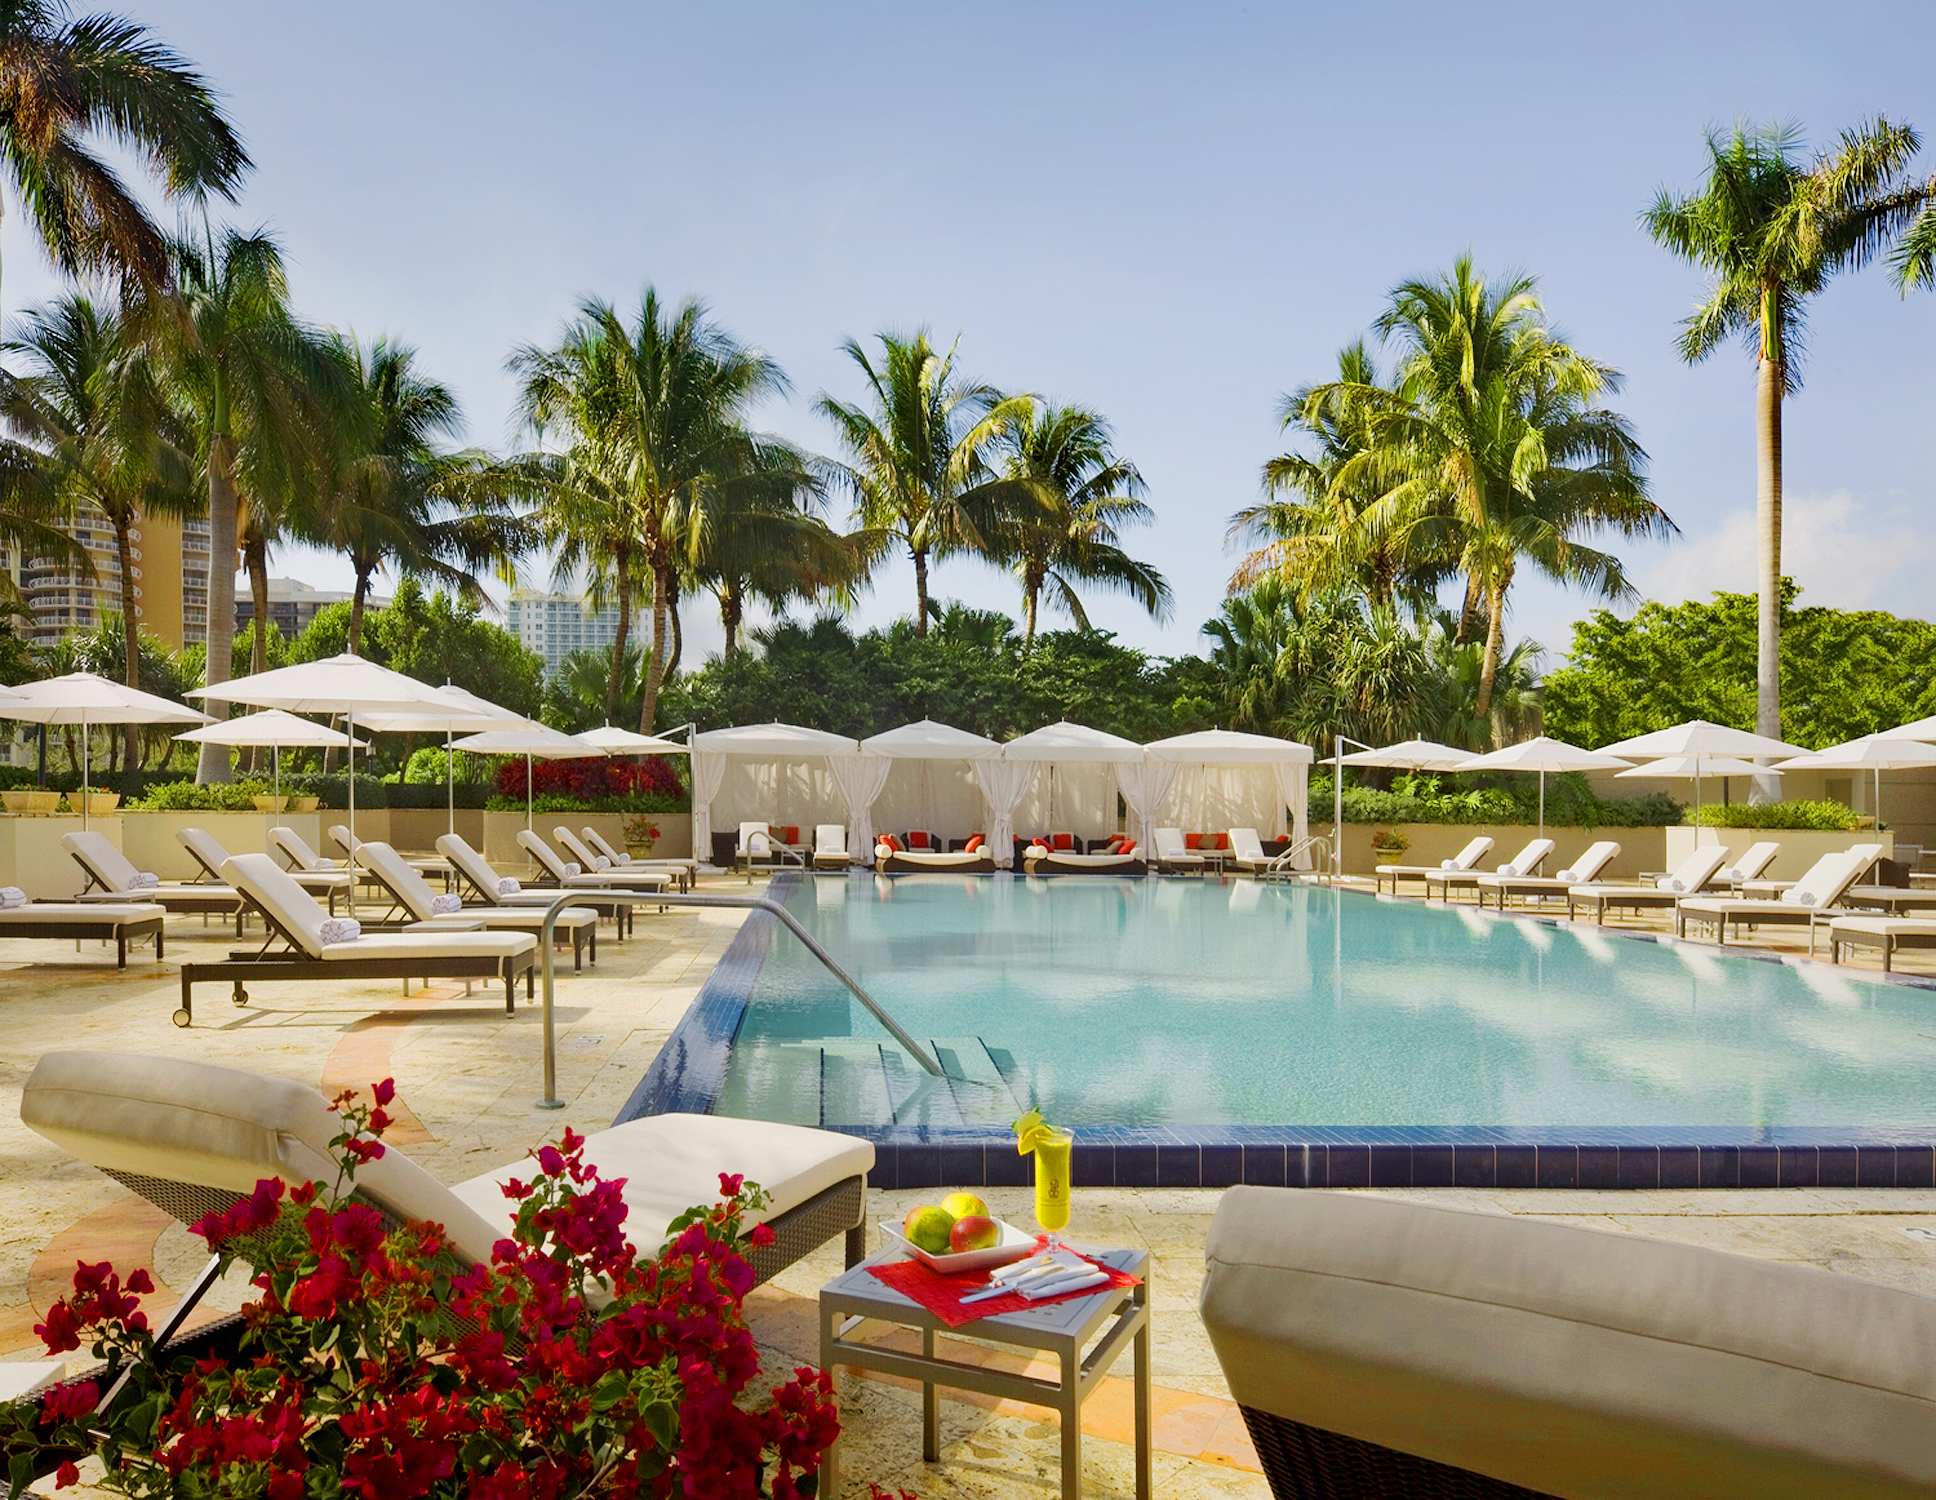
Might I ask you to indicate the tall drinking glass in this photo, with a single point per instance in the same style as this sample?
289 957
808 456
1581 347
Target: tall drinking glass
1052 1183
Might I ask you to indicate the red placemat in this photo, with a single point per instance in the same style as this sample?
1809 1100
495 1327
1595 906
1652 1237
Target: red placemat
941 1295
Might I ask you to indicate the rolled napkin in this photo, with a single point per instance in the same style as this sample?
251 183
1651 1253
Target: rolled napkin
599 861
144 880
572 867
11 896
1448 864
340 930
1796 896
444 903
1667 883
508 886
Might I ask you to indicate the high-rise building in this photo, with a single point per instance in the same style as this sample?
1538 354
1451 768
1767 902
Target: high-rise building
555 625
170 562
293 605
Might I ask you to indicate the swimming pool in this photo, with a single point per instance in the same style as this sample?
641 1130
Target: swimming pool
1208 1017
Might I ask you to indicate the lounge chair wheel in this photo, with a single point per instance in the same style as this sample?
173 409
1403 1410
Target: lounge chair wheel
241 996
180 1017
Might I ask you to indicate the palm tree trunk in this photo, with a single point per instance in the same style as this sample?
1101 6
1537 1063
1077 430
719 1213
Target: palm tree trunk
1768 549
624 572
732 608
130 628
1469 612
678 627
655 667
1495 637
353 642
214 765
255 557
1031 592
920 590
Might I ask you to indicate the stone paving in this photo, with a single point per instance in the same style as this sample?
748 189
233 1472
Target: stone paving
468 1078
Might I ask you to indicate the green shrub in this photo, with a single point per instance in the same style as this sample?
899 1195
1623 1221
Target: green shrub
427 765
1823 817
334 789
552 802
407 794
1570 803
187 796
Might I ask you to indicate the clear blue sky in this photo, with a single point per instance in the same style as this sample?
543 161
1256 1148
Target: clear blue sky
1173 214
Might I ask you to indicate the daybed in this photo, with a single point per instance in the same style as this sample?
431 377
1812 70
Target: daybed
493 889
1519 866
108 869
292 915
1695 873
120 923
1039 859
192 1136
1822 887
1583 871
1466 859
980 860
1383 1348
425 908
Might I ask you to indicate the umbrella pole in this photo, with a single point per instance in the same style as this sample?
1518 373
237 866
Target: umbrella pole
450 785
527 791
1697 801
84 760
349 854
1542 804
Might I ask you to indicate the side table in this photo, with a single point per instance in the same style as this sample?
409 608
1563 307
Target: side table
1062 1329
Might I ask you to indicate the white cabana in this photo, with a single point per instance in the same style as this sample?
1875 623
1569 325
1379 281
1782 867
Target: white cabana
1073 787
1222 778
768 773
929 783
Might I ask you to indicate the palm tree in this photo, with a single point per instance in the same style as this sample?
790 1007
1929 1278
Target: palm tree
1313 522
1771 230
653 415
1064 528
920 475
90 409
388 500
68 87
1489 447
263 387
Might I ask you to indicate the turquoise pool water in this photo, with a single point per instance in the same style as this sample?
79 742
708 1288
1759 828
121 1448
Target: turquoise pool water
1151 1002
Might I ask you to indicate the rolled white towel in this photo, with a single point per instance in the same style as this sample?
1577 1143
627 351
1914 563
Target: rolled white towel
1796 896
572 867
1734 875
1448 864
1509 868
11 896
340 930
1568 875
444 903
1668 883
601 862
143 880
508 886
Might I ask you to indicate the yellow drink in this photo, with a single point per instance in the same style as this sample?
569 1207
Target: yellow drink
1052 1180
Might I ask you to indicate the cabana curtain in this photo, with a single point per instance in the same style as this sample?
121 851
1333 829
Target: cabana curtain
1144 785
1003 784
708 771
860 779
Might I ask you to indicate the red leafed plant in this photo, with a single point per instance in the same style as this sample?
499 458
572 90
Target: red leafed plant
376 1364
590 778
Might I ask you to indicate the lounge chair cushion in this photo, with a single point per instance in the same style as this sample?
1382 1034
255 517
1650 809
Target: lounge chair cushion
1567 1360
107 913
427 942
106 863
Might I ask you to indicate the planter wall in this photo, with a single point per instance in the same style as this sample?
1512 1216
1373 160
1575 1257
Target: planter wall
32 858
1429 843
1800 847
149 841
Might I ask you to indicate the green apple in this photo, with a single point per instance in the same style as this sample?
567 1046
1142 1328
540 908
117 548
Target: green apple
927 1225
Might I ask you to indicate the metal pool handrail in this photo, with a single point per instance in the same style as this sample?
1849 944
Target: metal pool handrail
1286 863
668 898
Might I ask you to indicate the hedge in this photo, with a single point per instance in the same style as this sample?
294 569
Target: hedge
1821 817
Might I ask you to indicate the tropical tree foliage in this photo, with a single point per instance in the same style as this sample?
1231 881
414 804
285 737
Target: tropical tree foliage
1771 228
921 456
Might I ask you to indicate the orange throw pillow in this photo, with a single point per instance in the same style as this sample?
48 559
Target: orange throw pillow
1063 841
891 842
917 839
973 844
1192 841
1127 848
1223 841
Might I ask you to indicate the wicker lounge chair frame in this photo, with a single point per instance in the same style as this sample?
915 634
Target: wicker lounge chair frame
474 870
217 900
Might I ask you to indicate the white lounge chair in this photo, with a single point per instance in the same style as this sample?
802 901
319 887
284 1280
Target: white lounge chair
1522 864
1694 874
1583 871
118 922
1817 891
193 1137
207 851
576 925
293 916
830 847
761 849
493 889
683 871
1769 890
1247 851
111 878
569 875
1171 856
423 864
1750 865
1887 934
1466 859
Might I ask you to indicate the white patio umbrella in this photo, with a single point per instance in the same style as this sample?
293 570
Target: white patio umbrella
87 699
1702 739
1917 729
1543 754
1410 755
615 741
1875 753
1693 768
457 711
533 741
275 729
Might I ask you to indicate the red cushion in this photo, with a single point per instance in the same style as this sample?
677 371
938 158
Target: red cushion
1192 841
790 834
917 839
1062 841
973 844
1128 847
891 842
1223 841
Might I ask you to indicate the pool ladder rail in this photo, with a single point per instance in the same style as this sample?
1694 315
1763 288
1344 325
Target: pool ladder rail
1286 866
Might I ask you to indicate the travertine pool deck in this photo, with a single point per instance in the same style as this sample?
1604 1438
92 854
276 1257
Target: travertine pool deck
468 1078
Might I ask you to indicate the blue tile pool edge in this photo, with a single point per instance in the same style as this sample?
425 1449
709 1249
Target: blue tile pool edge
690 1070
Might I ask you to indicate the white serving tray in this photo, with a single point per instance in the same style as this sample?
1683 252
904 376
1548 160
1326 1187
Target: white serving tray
1014 1244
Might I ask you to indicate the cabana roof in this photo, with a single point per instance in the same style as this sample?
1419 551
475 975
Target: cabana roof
1072 743
1228 747
927 740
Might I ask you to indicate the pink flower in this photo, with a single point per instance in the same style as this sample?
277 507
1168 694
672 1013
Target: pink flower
385 1091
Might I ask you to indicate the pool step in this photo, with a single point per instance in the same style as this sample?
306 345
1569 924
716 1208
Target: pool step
840 1081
